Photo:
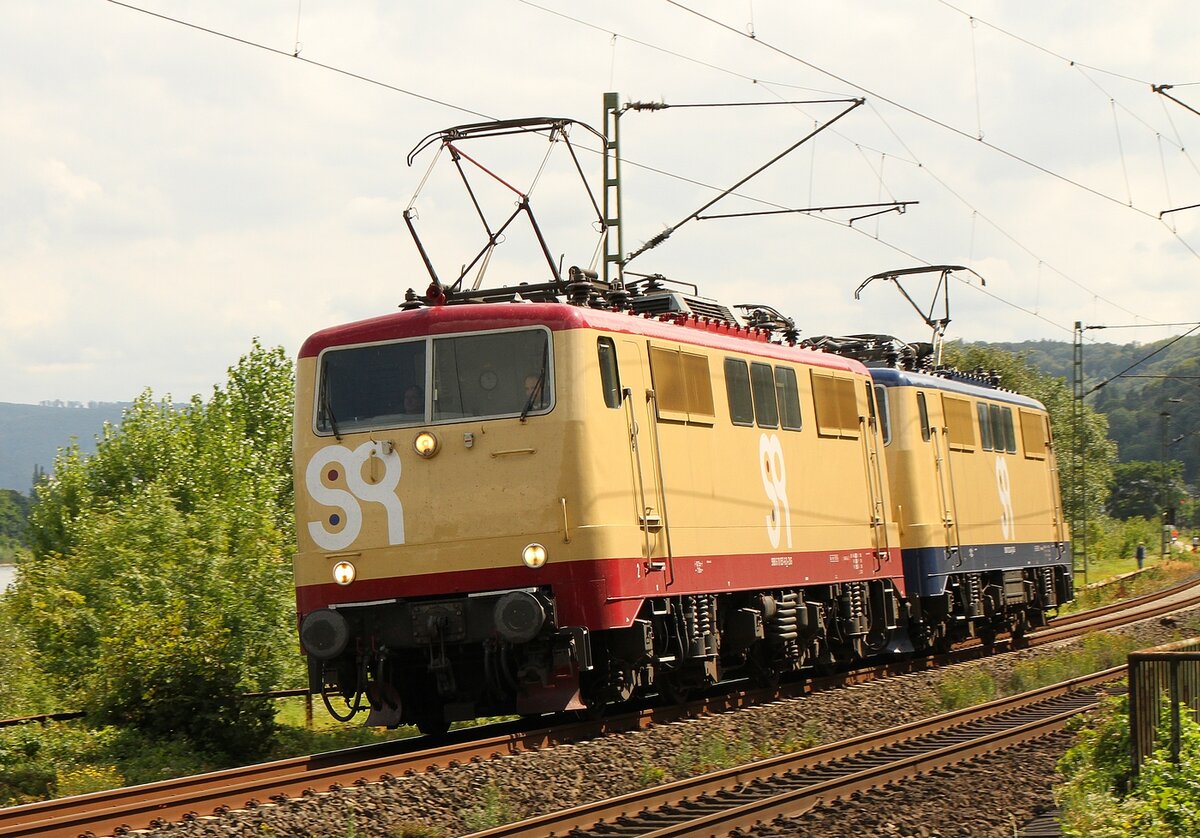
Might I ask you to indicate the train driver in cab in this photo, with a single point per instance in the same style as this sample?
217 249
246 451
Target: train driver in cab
414 401
535 391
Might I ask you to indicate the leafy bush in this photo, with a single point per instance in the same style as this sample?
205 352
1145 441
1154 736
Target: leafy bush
173 673
32 757
1100 798
23 689
158 587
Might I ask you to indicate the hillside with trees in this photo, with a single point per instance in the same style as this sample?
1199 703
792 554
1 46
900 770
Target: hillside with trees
14 519
1134 384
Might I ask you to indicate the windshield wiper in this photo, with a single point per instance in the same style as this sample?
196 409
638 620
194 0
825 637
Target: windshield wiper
537 390
326 407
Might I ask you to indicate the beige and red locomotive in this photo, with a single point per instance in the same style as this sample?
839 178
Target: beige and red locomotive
520 507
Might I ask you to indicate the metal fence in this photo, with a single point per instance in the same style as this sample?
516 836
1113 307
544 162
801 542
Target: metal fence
1164 683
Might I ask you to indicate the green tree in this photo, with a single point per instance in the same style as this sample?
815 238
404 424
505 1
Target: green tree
1144 489
14 521
158 588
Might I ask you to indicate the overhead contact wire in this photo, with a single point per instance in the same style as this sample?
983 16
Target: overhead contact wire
914 112
672 53
297 57
1039 47
994 225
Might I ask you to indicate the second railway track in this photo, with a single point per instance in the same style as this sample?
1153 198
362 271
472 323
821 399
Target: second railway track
746 796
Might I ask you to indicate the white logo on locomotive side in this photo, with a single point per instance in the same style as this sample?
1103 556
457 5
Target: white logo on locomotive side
348 502
774 479
1004 487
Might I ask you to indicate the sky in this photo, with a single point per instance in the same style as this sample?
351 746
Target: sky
171 194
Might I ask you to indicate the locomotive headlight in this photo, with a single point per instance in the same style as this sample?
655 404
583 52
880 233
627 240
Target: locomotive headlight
426 444
534 555
344 573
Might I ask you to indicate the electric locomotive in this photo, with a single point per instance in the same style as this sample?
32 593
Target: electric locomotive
975 488
585 503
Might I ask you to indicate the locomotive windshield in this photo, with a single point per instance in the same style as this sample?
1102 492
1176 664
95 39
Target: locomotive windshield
486 375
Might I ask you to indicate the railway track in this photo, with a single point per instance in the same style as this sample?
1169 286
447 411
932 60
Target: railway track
789 785
114 811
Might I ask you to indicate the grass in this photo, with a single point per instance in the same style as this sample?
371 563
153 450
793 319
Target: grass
716 751
956 690
1158 575
1097 652
492 810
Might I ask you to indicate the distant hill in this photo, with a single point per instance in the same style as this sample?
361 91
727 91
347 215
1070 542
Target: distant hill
31 434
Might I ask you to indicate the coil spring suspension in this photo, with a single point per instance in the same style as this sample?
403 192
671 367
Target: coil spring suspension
1048 593
783 626
854 609
783 629
698 619
974 594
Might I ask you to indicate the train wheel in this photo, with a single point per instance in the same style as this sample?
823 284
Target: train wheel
987 634
763 673
433 725
672 689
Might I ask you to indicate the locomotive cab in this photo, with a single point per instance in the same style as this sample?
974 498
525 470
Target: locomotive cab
430 476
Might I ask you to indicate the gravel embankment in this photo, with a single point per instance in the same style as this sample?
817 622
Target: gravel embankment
985 798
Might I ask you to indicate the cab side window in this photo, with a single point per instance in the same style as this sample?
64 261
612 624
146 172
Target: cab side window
885 414
985 428
610 377
923 415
